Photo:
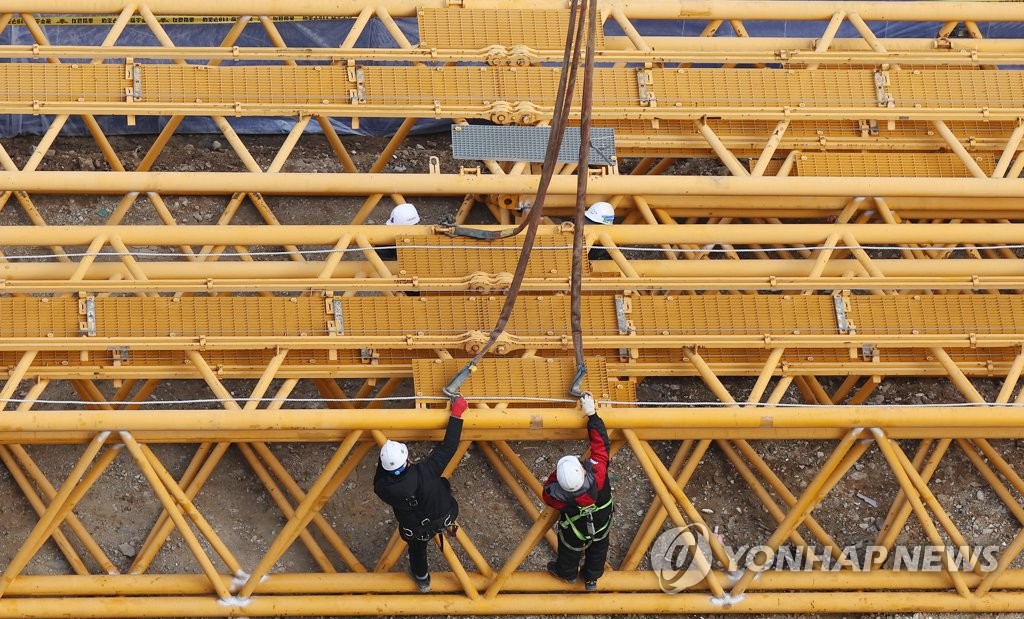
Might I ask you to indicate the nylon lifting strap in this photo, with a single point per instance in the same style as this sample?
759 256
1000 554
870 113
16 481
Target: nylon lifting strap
566 86
582 176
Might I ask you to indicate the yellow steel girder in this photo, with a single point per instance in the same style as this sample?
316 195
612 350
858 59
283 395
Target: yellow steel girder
353 336
513 94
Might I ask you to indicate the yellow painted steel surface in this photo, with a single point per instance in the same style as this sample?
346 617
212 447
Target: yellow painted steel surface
475 29
507 380
747 137
877 164
723 321
478 92
440 256
734 333
773 310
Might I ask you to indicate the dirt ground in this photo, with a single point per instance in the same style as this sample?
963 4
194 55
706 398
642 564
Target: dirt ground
121 508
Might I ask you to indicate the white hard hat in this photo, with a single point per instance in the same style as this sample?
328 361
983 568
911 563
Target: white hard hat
393 455
569 473
404 214
601 213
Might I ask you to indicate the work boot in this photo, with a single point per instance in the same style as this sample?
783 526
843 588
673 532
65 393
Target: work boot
590 585
422 582
553 570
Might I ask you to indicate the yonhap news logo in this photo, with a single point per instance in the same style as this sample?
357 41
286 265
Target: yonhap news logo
681 557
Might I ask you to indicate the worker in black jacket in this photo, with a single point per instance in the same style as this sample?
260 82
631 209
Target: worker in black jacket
421 498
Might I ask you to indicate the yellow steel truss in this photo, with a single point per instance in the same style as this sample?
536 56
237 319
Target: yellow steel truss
907 152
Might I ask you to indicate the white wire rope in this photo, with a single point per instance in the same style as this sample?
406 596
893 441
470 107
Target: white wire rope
506 398
708 248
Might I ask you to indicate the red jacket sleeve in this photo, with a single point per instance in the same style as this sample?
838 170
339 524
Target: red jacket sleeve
599 445
548 499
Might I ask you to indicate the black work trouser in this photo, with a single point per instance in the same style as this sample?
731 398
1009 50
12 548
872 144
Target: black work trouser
568 563
418 557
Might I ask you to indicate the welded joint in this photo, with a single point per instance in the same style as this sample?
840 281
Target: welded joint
119 354
87 309
841 304
727 599
238 581
623 306
357 77
644 82
136 77
235 600
132 75
882 84
885 99
869 352
868 128
337 326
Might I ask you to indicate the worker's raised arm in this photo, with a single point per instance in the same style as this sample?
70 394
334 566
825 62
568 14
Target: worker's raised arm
442 454
599 441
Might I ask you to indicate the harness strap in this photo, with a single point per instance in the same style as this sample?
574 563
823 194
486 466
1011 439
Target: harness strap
588 513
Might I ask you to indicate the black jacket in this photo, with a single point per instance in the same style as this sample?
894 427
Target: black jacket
420 493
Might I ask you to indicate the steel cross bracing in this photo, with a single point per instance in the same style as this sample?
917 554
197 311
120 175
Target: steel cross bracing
102 329
645 196
191 335
893 96
980 257
230 577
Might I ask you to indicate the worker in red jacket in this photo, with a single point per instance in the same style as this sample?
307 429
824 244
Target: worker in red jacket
583 495
420 497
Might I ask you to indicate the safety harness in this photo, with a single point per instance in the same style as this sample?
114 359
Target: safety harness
579 530
428 527
590 533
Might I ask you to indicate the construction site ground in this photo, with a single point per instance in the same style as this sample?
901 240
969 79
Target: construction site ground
245 516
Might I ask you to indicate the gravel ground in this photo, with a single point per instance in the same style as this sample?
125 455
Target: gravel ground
121 508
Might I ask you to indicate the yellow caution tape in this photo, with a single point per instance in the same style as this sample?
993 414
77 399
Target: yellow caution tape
106 20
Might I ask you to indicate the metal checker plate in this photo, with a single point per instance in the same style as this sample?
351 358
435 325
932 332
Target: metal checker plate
102 83
957 89
763 87
445 87
36 317
500 379
960 314
874 165
731 315
221 316
544 315
509 143
300 85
